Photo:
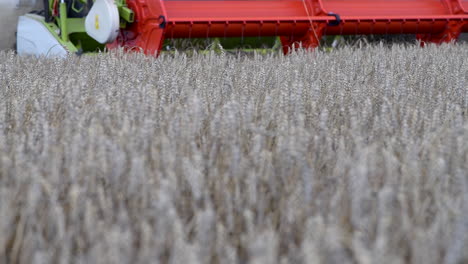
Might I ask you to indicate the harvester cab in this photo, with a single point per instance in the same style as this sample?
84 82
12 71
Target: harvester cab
75 26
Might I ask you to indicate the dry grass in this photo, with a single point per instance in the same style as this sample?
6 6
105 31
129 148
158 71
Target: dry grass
354 156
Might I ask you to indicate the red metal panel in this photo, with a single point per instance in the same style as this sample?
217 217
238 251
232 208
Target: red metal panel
464 6
220 10
386 8
295 20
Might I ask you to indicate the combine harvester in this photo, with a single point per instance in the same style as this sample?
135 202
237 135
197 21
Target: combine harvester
76 26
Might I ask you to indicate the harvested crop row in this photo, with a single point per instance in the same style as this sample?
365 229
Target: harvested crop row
353 156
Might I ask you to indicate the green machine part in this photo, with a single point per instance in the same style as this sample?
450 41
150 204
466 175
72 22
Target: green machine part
69 25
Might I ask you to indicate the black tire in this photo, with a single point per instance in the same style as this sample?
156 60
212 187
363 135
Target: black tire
47 15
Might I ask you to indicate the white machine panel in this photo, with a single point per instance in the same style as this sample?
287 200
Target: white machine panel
102 22
33 38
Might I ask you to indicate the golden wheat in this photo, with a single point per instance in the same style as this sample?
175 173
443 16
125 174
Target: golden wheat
352 156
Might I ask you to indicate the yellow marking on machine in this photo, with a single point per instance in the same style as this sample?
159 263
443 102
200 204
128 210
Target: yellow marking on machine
96 21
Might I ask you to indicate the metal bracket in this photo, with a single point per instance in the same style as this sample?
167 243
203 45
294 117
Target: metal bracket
162 21
335 22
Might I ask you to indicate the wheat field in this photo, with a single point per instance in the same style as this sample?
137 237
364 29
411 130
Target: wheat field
348 156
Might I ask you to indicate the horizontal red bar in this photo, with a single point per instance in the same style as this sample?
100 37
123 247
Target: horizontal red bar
320 19
281 9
